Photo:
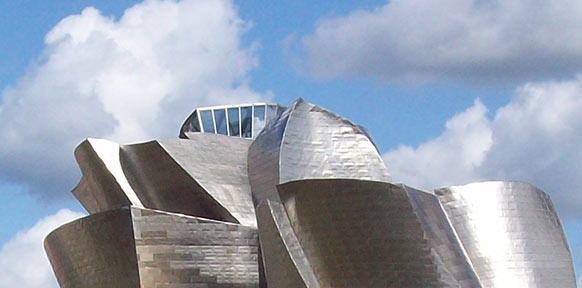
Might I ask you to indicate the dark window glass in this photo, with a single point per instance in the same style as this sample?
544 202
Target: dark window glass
259 119
194 125
207 122
220 118
246 121
233 122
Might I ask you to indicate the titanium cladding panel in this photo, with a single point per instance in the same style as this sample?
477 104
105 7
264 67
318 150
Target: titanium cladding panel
454 261
320 144
95 251
205 176
308 142
103 185
176 251
383 247
284 260
511 233
143 248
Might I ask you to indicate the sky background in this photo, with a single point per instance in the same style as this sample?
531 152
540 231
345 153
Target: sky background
452 92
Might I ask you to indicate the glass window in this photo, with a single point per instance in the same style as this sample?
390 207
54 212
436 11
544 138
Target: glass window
259 119
246 121
207 122
233 122
220 118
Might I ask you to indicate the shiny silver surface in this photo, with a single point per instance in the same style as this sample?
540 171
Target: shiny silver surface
452 259
308 142
284 260
308 203
511 233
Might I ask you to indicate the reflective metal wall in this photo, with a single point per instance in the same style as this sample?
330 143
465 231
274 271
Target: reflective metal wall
133 247
284 260
512 234
310 142
452 260
383 247
182 251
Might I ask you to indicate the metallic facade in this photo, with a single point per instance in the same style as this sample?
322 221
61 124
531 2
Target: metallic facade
136 247
305 202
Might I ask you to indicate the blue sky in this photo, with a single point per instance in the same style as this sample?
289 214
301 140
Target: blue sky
453 92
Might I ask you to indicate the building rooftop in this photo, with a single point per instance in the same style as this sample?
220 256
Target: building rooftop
244 120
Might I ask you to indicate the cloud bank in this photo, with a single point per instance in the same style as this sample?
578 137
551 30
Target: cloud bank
23 262
129 79
536 138
451 39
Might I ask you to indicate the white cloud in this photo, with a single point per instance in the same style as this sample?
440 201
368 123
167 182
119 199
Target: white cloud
448 159
23 262
454 39
127 80
536 138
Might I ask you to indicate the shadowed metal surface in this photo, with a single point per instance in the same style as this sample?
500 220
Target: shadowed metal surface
383 247
95 251
219 165
443 239
162 184
133 247
511 233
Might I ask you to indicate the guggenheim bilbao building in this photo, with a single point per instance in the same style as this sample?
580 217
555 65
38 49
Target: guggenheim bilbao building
262 195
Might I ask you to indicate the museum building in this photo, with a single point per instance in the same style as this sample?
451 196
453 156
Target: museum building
262 195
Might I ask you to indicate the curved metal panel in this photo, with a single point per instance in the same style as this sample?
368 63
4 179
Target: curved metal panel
285 262
321 144
103 185
454 262
383 247
263 160
134 247
95 251
307 142
511 233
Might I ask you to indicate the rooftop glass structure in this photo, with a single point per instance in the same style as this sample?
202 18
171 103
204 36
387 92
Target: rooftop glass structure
244 121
